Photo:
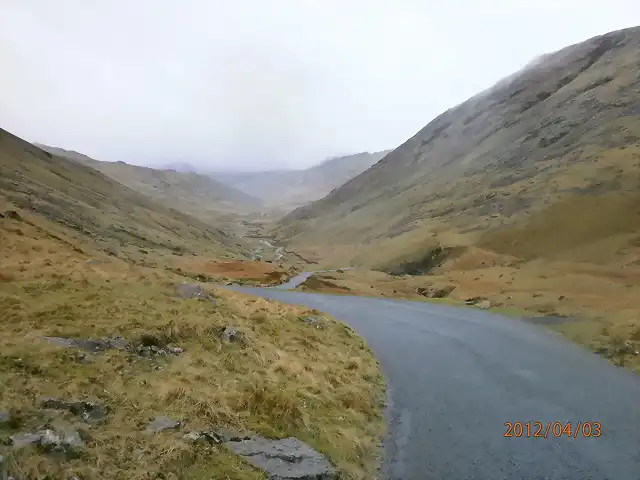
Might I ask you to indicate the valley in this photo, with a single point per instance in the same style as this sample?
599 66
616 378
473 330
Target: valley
165 321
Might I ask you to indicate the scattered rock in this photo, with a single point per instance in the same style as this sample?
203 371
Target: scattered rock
192 290
63 440
232 334
161 423
484 304
20 440
98 345
208 437
90 412
285 459
430 292
313 320
562 297
474 300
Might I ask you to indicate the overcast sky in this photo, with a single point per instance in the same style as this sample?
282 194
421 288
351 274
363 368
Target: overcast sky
264 84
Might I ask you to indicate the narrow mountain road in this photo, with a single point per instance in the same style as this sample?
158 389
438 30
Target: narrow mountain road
456 376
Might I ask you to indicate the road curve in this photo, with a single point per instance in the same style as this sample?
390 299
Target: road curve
457 375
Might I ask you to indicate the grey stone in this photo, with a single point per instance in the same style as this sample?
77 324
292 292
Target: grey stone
286 459
231 334
313 320
20 440
193 290
175 350
162 423
98 345
5 417
90 412
484 304
209 437
62 440
3 468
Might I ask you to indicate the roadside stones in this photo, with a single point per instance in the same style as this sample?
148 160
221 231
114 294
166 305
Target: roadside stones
313 320
193 290
161 423
484 304
90 412
430 292
285 459
107 343
98 345
232 334
207 437
61 439
476 301
20 440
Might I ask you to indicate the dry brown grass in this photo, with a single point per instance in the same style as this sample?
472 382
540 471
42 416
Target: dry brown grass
320 385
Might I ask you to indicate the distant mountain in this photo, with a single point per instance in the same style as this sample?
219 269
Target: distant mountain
192 193
526 160
292 188
64 190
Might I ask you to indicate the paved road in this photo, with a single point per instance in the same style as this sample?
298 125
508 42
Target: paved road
457 375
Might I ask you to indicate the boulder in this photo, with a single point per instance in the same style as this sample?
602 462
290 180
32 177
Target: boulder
232 334
193 290
484 304
90 412
286 459
313 320
161 423
5 417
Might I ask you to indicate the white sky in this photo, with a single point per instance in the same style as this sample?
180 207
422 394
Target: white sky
264 84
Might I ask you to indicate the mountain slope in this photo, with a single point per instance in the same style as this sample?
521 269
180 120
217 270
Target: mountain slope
291 188
195 194
567 125
96 207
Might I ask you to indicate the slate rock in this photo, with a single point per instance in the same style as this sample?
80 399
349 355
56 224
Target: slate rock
90 412
484 304
98 345
313 320
286 459
232 334
5 417
20 440
161 423
193 290
60 440
204 436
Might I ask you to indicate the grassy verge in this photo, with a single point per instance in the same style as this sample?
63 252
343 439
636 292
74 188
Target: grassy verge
285 378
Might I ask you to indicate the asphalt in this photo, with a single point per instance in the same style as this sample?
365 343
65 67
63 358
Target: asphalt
456 375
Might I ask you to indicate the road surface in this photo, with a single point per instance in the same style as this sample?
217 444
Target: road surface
457 375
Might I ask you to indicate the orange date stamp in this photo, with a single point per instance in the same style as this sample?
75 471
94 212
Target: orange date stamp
553 429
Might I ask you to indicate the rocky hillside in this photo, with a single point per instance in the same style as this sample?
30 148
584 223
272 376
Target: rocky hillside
567 125
292 188
98 208
198 195
114 365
